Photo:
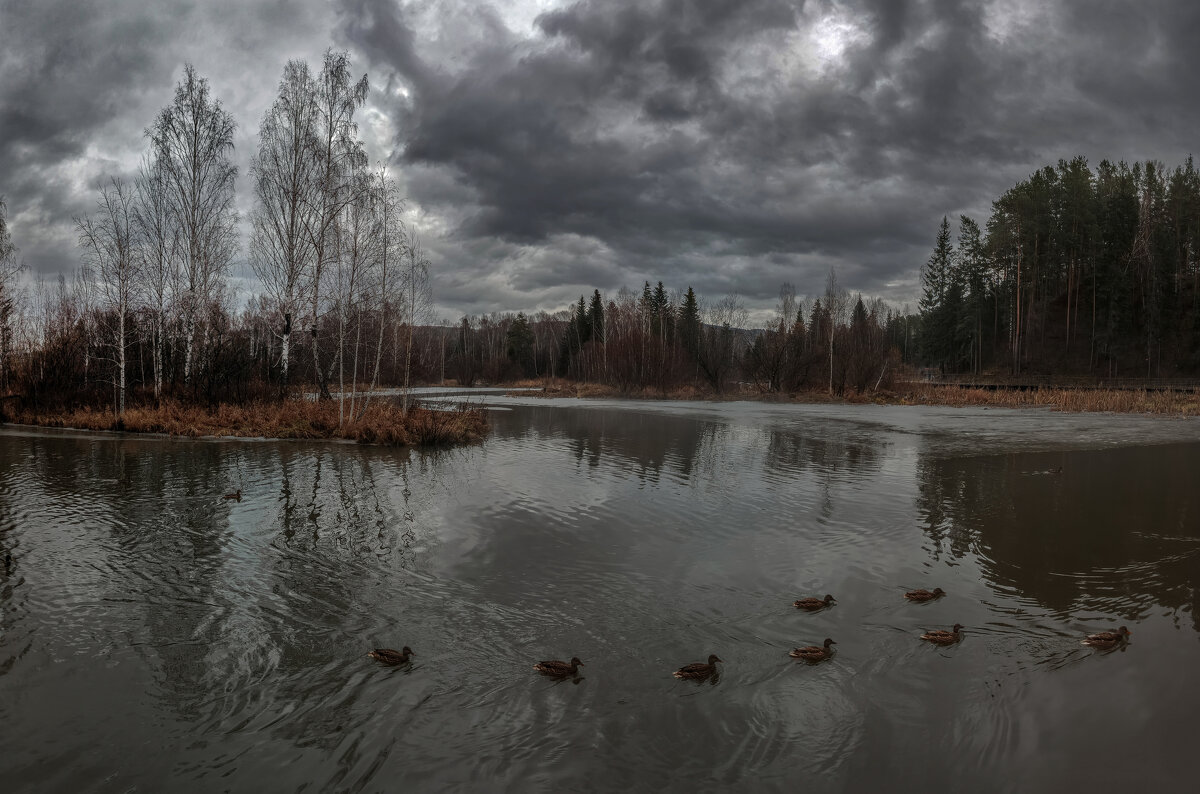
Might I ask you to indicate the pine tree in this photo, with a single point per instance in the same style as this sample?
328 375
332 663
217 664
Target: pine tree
689 322
860 346
939 301
518 344
972 271
596 318
583 328
663 326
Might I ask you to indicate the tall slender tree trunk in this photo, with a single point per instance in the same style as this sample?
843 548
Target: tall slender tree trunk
322 384
378 355
158 355
407 363
354 369
285 347
121 365
1071 278
341 357
189 337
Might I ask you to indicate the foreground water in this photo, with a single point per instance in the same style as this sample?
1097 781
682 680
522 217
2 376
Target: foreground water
154 636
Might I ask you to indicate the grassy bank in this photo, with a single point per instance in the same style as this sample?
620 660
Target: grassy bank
383 422
1075 400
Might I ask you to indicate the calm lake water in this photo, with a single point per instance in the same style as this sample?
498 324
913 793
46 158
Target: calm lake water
154 636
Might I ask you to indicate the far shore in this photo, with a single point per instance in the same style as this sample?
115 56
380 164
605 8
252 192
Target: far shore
1161 403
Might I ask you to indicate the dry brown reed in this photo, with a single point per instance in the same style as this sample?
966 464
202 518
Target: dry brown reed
382 423
1178 403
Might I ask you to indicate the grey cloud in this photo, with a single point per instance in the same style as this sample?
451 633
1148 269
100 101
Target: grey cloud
717 143
929 113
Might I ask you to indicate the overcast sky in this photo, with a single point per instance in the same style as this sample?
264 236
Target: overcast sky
550 148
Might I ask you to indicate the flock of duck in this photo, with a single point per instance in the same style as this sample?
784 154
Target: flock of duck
699 671
1104 640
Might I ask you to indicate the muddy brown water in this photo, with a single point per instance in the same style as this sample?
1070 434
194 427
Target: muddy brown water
154 636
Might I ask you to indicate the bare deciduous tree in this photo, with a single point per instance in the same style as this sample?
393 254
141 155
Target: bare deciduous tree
836 302
10 266
716 355
392 239
338 153
109 244
159 239
192 145
414 283
287 194
357 245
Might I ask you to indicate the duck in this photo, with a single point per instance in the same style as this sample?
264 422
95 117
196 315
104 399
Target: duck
390 657
1107 639
814 604
557 669
236 495
813 653
925 595
699 670
943 637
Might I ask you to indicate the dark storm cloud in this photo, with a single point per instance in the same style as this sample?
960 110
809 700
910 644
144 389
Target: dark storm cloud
629 124
549 148
647 127
79 82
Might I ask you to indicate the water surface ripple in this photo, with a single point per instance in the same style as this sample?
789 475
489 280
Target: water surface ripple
155 636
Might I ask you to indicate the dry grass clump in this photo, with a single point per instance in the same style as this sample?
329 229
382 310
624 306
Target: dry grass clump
382 423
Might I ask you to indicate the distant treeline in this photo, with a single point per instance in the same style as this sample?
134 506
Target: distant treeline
1077 271
655 341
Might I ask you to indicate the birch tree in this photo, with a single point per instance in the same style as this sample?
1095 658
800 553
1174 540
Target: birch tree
287 194
414 283
159 239
109 244
392 242
192 145
356 254
338 153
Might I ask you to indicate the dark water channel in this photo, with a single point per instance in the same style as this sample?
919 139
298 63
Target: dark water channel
155 637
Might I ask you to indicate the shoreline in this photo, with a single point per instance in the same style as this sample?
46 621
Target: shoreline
1167 404
382 423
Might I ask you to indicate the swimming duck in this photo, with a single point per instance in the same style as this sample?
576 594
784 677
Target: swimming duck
943 637
1107 639
699 670
388 656
236 495
813 604
813 653
925 595
558 669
